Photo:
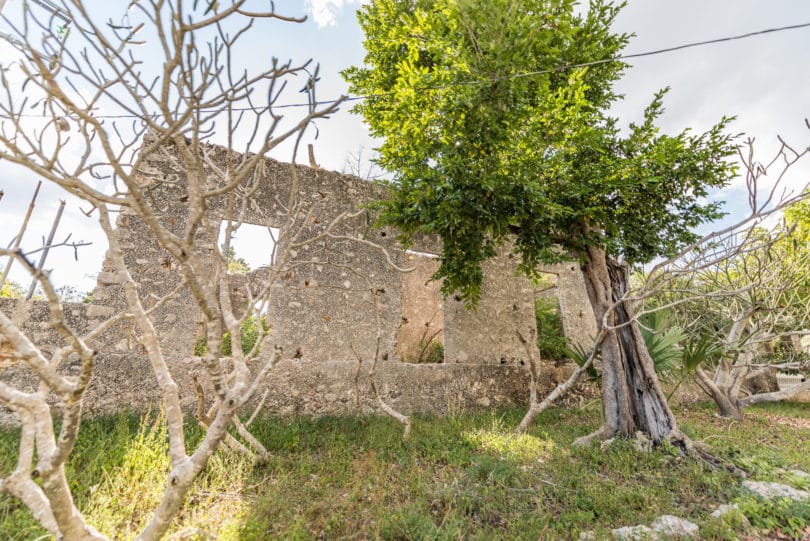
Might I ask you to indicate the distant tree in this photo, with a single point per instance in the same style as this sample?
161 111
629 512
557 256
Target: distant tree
797 216
68 293
493 138
796 245
743 307
11 290
236 265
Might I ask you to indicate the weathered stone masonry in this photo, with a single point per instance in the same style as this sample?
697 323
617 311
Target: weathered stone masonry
317 326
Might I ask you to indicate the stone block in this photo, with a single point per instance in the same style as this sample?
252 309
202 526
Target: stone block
95 310
109 278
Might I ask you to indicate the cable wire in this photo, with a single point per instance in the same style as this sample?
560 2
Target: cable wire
555 69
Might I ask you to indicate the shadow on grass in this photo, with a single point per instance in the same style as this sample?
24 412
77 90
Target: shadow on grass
467 476
101 446
464 476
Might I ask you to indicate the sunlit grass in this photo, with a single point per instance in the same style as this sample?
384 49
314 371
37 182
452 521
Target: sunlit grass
504 442
120 503
466 476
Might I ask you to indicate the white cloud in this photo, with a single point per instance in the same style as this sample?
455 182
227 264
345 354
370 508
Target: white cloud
326 12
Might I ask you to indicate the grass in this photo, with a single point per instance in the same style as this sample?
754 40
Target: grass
466 476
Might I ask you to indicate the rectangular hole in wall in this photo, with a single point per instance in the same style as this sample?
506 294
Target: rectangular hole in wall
551 339
252 246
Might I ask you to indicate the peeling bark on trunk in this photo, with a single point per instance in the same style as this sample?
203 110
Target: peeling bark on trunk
632 397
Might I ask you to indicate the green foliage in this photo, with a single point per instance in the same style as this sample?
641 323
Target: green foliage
724 528
699 350
663 342
430 351
236 265
200 347
782 514
433 353
550 339
763 287
482 150
11 290
580 356
250 333
797 216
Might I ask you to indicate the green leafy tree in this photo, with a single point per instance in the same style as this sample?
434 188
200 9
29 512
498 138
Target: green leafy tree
492 139
236 265
796 245
797 216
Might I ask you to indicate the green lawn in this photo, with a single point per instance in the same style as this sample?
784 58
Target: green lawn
462 477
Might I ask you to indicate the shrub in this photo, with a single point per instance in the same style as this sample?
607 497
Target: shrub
249 331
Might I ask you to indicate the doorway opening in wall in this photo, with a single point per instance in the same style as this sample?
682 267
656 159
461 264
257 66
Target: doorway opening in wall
421 333
252 246
551 340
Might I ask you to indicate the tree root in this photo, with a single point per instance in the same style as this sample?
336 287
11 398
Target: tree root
696 450
603 433
702 452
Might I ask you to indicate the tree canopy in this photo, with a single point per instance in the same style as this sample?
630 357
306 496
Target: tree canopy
496 123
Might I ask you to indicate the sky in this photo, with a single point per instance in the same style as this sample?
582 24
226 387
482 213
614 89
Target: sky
763 81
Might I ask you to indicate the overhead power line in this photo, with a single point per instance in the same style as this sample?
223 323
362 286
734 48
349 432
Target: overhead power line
556 69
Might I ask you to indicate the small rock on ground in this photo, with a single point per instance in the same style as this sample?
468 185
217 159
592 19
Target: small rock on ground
800 474
770 491
725 509
664 527
672 527
634 533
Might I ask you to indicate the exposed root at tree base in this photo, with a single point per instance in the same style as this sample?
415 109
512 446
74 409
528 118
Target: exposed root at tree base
696 450
604 433
702 452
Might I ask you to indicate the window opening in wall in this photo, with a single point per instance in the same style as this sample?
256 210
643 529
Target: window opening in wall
551 340
252 246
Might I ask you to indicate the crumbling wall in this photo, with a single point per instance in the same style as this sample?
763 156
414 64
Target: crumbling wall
305 387
326 307
33 318
153 269
331 303
337 292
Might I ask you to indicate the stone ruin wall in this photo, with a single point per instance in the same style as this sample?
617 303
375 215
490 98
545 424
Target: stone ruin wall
319 327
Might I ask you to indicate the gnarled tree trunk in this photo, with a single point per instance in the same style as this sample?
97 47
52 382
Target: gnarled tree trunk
724 395
631 393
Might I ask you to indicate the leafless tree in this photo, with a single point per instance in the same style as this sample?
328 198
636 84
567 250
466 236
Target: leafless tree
360 164
752 296
92 114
